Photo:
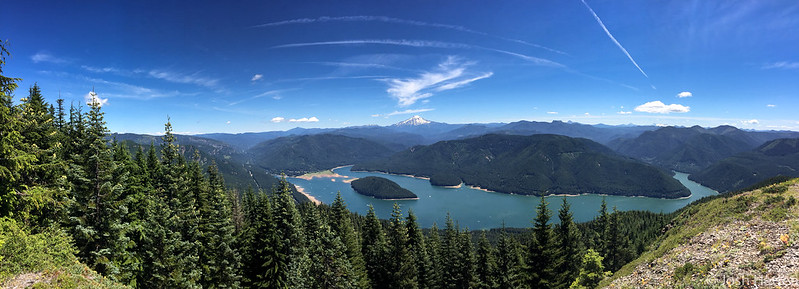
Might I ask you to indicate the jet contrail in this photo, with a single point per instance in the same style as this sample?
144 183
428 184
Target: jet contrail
614 38
399 21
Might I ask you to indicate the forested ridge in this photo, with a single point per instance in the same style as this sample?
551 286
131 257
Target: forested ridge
72 203
542 164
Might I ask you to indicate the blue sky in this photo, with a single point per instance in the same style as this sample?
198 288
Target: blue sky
273 65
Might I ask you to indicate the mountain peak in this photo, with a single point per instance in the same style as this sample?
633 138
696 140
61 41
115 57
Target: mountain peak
413 121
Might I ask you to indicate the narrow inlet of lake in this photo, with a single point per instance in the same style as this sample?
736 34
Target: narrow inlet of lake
478 209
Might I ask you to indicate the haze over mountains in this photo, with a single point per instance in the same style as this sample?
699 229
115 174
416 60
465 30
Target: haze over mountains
708 153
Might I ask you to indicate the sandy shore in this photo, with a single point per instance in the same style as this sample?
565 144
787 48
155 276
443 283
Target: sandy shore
302 191
323 174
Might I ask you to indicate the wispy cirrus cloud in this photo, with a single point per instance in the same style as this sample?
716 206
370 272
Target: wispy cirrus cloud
175 77
423 44
43 56
407 111
662 108
782 65
449 74
363 18
275 94
596 17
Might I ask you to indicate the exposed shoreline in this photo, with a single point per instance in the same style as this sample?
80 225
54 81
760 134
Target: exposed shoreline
301 190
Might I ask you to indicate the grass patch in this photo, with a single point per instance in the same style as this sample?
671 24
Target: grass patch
50 253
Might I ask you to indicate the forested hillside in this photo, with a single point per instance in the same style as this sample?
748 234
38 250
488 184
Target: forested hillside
777 157
297 155
532 165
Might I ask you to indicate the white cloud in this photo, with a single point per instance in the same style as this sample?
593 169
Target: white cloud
449 74
46 57
92 97
278 119
376 115
257 77
782 65
228 122
771 105
304 119
685 94
409 111
751 121
181 78
552 112
660 107
625 112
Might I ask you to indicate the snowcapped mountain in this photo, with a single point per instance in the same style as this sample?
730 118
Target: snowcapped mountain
413 121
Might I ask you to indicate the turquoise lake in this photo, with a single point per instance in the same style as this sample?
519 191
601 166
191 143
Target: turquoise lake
478 209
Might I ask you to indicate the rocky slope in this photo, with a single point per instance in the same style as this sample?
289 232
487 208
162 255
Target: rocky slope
749 240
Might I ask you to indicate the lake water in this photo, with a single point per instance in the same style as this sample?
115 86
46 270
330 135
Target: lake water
478 209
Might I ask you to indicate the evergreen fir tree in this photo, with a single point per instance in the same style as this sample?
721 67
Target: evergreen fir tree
615 243
601 228
568 248
486 271
419 251
451 257
330 266
13 160
466 259
375 250
509 262
402 270
434 250
218 257
341 225
540 256
290 258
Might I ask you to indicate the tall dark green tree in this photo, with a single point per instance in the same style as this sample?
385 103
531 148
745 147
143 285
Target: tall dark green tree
218 257
13 159
419 252
290 257
540 256
615 243
434 251
568 248
375 250
601 228
401 268
341 224
509 262
330 267
486 264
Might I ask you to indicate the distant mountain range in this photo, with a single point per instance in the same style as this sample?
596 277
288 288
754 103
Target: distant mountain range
541 164
693 150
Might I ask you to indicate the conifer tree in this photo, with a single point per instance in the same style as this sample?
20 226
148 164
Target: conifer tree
419 251
509 262
402 270
330 266
218 257
568 248
375 250
601 229
290 258
452 257
540 256
341 225
466 259
615 243
258 251
486 271
99 231
434 250
13 159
